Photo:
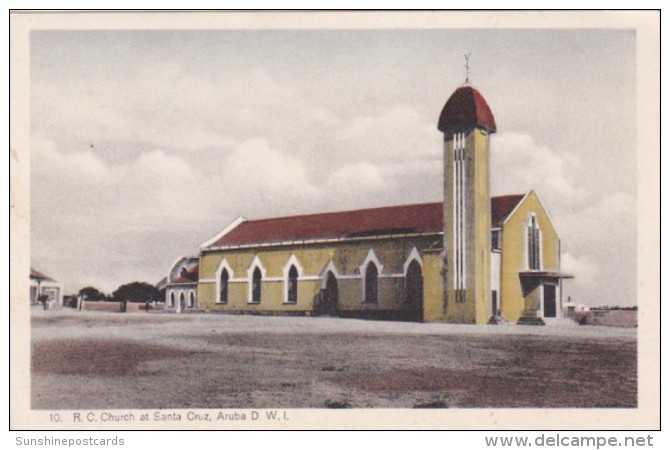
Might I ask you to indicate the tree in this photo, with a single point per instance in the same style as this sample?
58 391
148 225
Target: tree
137 292
90 293
70 301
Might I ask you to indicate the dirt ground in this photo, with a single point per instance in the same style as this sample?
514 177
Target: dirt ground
96 360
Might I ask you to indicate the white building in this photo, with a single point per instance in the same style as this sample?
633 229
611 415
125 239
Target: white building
41 284
182 281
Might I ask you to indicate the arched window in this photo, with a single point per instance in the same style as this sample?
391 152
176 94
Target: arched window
223 289
224 275
182 300
292 296
191 299
371 278
171 303
533 243
256 286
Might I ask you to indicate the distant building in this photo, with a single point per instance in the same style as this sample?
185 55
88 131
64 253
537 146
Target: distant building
569 309
469 258
180 285
41 284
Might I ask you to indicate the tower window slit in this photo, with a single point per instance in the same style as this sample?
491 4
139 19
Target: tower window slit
533 241
459 216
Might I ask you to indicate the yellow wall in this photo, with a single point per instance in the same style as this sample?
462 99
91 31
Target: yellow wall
481 209
434 306
391 253
514 257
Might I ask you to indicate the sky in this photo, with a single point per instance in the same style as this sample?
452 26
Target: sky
144 144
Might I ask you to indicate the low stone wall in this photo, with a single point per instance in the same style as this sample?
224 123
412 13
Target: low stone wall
624 318
118 306
101 306
142 307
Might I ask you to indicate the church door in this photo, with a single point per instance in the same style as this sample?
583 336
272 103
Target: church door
182 302
549 300
414 291
329 296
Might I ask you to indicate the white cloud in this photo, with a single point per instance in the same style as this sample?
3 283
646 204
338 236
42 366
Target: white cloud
599 240
356 178
616 206
382 158
256 176
586 270
157 163
172 106
48 159
396 134
152 183
594 223
519 164
95 219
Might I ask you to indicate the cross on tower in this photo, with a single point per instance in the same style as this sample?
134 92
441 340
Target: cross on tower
467 68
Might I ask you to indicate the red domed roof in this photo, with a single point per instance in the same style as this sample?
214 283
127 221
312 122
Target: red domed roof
466 108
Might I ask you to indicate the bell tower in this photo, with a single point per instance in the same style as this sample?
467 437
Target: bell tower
467 123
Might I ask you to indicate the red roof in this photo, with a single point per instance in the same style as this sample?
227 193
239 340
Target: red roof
189 275
184 280
502 207
419 218
39 275
466 108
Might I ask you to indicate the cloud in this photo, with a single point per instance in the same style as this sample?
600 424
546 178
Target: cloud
154 183
519 164
599 241
586 269
101 221
382 158
256 176
391 135
359 177
48 159
171 106
593 224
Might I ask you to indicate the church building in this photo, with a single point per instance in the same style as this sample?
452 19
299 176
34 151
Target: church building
467 259
180 285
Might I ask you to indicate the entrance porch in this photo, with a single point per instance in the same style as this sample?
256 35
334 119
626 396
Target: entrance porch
543 296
